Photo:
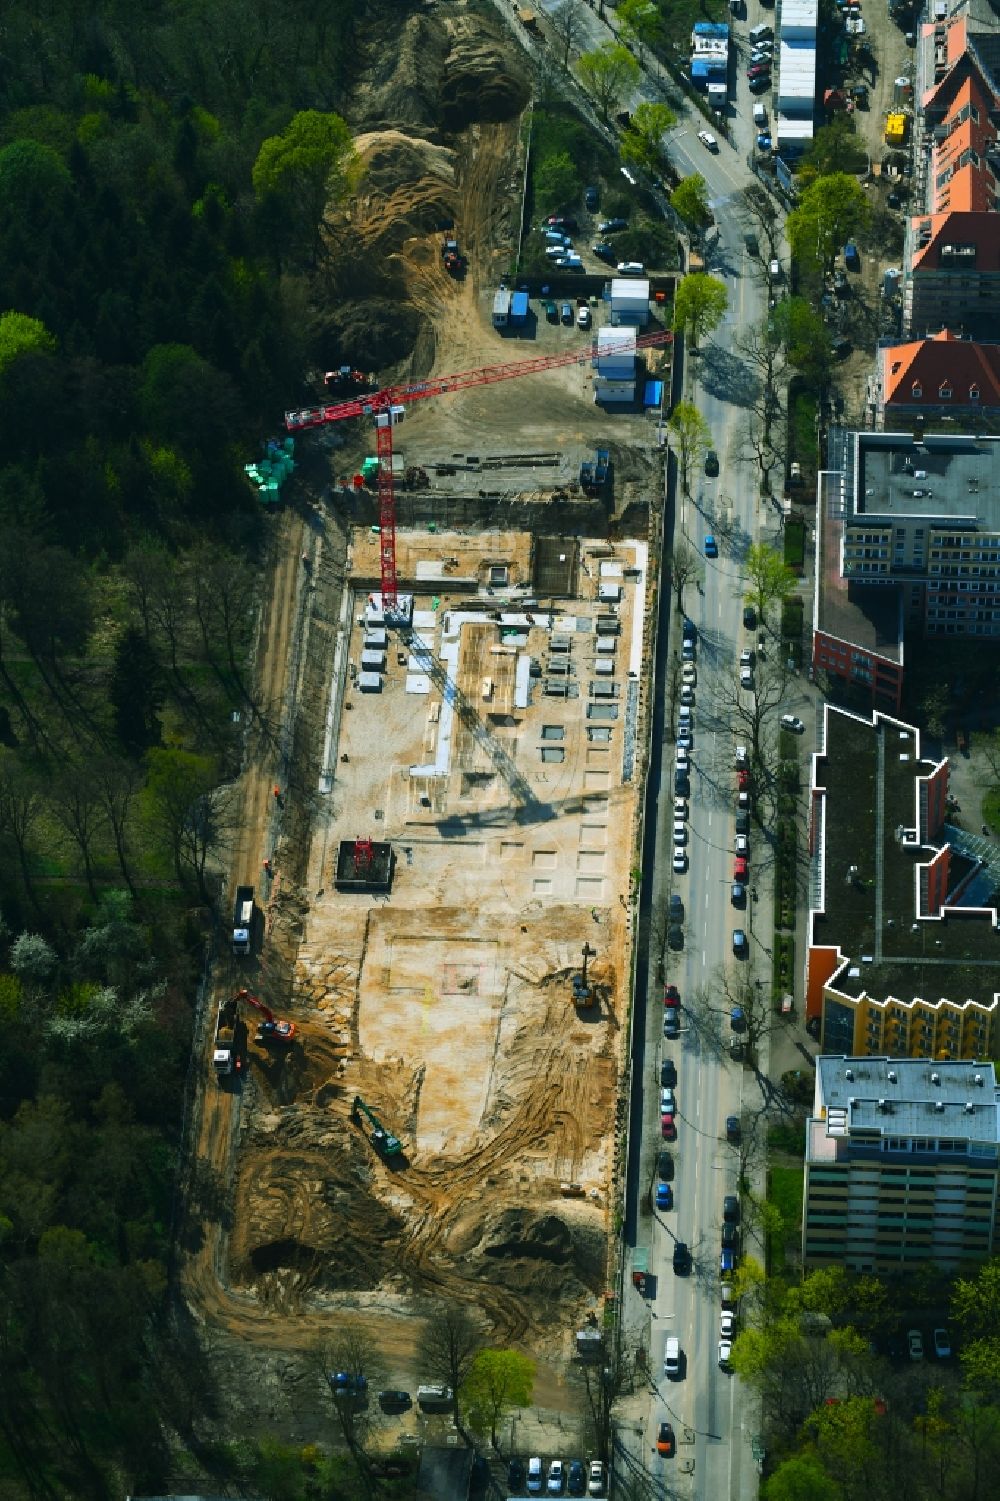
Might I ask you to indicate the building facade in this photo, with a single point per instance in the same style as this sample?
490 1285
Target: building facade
901 1164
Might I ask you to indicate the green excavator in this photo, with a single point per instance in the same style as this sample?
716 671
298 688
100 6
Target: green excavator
385 1144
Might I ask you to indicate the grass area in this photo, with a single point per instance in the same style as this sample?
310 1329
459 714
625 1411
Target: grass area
795 542
792 610
678 18
991 808
784 965
785 1194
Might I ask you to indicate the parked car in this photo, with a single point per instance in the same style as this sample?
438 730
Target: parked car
668 1102
852 256
742 844
605 252
566 312
556 1478
760 84
676 906
774 269
631 268
664 1196
915 1344
730 1235
563 221
395 1401
666 1444
759 70
535 1476
611 226
665 1166
671 1019
680 862
551 312
687 694
668 1073
763 140
750 617
725 1352
675 933
516 1475
740 868
733 1131
746 677
668 1127
942 1344
591 197
708 139
687 651
739 943
689 673
731 1207
738 894
597 1479
793 723
576 1480
727 1262
682 1258
711 546
711 463
671 996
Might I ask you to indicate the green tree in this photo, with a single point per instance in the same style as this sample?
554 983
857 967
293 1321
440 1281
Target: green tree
642 140
803 335
690 201
975 1307
699 305
22 335
309 166
769 576
31 174
498 1380
691 437
830 211
557 181
609 73
834 148
802 1477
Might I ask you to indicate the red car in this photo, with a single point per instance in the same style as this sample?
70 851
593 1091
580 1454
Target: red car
743 780
741 868
665 1441
671 996
667 1128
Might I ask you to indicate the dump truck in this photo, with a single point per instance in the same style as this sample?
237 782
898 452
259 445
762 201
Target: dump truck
243 920
226 1057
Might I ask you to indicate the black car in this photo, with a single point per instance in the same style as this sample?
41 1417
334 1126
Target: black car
688 630
591 197
733 1131
668 1073
665 1166
605 252
677 907
515 1475
711 462
738 894
731 1208
576 1480
566 313
612 226
682 1258
393 1401
742 821
671 1023
730 1236
750 617
675 936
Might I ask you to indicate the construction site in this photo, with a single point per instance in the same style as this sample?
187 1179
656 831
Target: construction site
441 835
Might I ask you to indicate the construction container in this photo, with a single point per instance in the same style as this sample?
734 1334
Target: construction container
373 661
519 308
374 638
895 128
369 682
902 91
501 308
604 667
629 302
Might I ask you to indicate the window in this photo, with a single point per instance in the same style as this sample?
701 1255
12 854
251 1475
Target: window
916 390
973 393
944 391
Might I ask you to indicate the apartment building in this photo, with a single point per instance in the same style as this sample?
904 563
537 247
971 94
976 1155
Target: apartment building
908 545
941 378
903 938
952 253
901 1163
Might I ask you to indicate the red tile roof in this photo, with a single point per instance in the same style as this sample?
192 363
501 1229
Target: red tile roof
939 365
961 177
933 232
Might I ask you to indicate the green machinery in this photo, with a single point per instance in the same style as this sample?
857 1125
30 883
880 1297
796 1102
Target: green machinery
383 1141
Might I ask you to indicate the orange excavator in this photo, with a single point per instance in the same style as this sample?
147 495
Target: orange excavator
226 1057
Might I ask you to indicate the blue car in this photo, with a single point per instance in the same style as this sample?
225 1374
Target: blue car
763 140
727 1261
711 546
664 1196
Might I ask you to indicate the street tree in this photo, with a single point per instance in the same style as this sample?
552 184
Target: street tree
756 207
753 713
759 440
642 139
689 200
609 73
761 348
311 164
685 566
602 1383
498 1380
803 335
691 437
975 1307
802 1477
641 23
453 1338
713 1006
834 148
569 24
770 579
700 304
830 211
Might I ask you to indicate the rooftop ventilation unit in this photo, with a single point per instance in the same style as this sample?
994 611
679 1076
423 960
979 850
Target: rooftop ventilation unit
885 1107
978 1079
939 1106
970 1109
935 1078
848 1073
893 1076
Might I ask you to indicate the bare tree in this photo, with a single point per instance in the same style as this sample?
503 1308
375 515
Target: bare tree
755 204
684 567
736 1001
759 445
453 1339
569 26
350 1369
603 1382
752 712
20 808
762 349
116 782
76 801
224 596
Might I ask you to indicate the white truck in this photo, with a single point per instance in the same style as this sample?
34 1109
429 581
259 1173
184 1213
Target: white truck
243 920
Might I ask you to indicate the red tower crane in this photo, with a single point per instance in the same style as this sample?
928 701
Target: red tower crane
388 407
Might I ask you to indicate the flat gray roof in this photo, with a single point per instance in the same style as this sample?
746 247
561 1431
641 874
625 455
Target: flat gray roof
953 479
865 615
926 1097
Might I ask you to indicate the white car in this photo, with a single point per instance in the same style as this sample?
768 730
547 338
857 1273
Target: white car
746 677
791 722
687 694
683 756
684 714
583 317
727 1322
597 1479
680 862
689 673
680 807
630 268
746 657
774 270
535 1476
725 1351
742 844
557 1478
668 1104
740 758
707 139
680 833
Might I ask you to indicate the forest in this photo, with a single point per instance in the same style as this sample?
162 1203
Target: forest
163 172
